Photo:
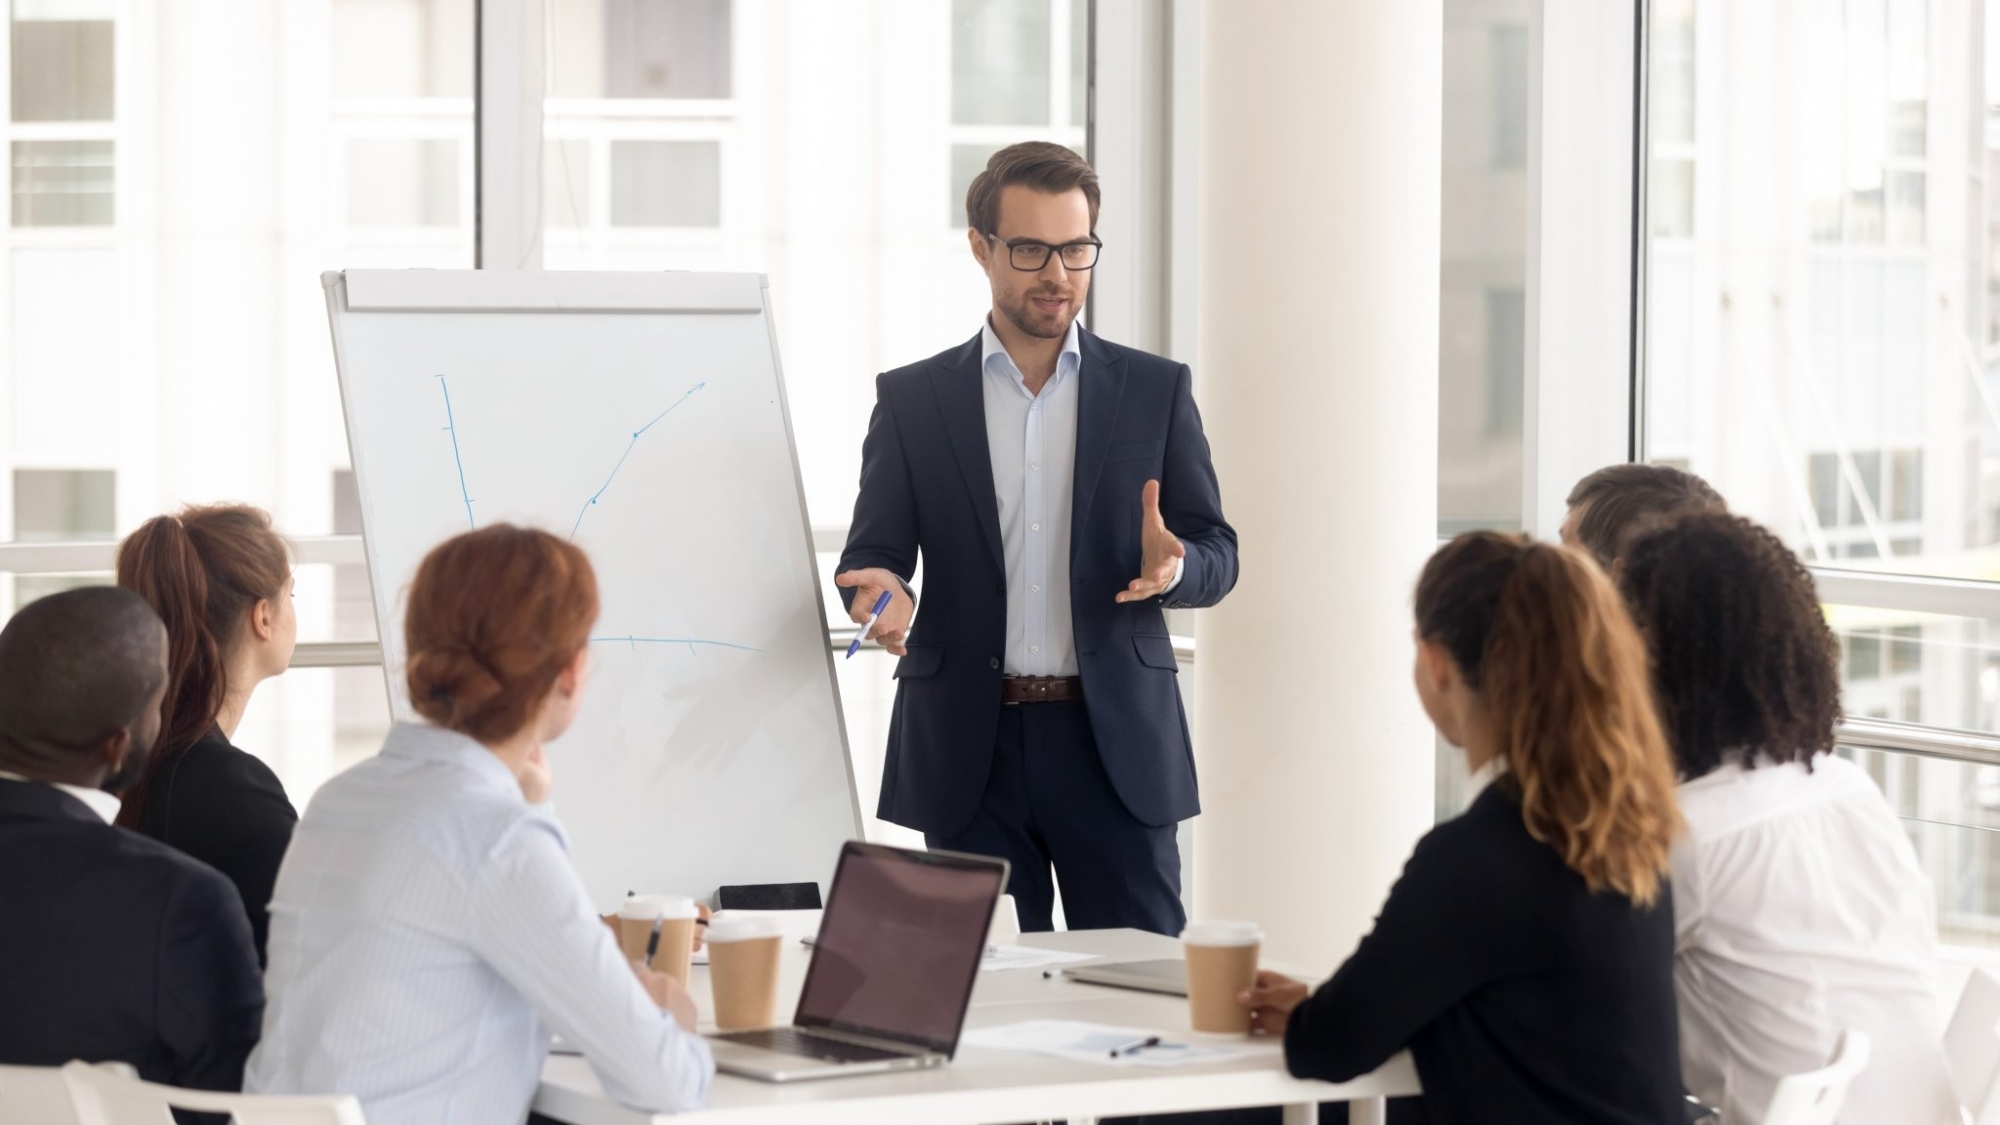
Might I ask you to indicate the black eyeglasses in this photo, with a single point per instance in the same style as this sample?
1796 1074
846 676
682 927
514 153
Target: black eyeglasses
1030 256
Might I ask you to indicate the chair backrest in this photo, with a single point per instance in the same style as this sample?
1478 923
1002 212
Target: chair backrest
102 1098
1815 1098
1006 920
1972 1045
34 1095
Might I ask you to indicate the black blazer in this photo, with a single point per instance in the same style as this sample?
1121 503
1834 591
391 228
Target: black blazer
227 809
118 948
1521 995
927 489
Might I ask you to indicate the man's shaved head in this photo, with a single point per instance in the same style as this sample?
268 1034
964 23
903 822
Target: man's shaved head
80 670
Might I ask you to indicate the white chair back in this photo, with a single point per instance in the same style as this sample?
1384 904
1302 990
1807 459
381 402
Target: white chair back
1972 1045
34 1095
109 1099
1815 1098
1006 921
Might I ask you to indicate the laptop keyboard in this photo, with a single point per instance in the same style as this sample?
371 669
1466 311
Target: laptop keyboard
792 1041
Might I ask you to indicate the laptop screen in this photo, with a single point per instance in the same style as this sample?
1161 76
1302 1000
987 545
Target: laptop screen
900 944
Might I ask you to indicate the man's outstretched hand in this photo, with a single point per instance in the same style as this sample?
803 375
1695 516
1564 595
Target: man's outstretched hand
1162 552
893 627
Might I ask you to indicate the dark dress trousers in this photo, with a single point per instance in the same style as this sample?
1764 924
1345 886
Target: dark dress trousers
227 809
1521 995
118 948
953 770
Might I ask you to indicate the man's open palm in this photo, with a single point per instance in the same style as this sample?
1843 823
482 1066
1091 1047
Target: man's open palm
1161 552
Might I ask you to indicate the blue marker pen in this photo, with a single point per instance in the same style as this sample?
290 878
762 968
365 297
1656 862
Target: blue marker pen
881 604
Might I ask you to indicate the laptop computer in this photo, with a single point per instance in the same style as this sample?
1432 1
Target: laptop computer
892 970
1168 976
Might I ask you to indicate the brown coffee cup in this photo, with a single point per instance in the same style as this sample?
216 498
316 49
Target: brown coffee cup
677 916
1221 961
743 962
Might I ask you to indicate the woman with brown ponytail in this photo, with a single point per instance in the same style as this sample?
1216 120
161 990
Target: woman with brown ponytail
1526 956
221 579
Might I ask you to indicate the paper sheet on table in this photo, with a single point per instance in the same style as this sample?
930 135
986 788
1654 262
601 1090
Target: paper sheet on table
1093 1043
1000 957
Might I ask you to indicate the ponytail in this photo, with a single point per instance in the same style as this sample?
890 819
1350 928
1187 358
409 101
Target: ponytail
1541 635
202 571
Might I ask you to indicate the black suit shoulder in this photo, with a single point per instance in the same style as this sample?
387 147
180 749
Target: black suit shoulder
911 374
139 953
1143 364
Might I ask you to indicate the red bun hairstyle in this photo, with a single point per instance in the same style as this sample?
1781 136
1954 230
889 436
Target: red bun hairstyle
495 615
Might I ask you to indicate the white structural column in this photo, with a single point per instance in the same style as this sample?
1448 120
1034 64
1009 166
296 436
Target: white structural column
1320 165
511 82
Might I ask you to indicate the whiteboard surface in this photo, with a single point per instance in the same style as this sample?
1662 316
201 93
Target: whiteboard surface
710 748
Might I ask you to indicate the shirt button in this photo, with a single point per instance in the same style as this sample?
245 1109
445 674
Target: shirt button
1034 527
1034 589
993 662
1035 465
1034 648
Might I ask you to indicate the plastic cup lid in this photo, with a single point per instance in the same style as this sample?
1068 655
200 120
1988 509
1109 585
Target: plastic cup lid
1223 933
645 908
725 929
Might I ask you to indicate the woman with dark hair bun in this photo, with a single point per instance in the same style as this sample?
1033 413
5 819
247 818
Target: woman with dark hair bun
1800 910
221 579
428 931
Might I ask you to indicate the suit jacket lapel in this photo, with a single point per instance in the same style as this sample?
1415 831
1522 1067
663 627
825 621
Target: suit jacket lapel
961 403
1100 390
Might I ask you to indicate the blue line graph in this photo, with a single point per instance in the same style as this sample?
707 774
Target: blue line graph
691 643
451 427
636 435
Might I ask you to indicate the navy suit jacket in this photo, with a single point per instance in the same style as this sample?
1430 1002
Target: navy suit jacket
927 489
119 948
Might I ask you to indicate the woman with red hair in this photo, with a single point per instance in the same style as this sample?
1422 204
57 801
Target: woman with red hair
428 931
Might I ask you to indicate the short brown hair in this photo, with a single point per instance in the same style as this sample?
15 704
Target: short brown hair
1540 634
495 615
1625 500
1042 165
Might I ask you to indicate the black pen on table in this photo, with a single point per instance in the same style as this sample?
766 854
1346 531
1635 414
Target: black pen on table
1135 1046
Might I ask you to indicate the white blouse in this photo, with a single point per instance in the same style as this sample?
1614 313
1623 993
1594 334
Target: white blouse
427 932
1800 911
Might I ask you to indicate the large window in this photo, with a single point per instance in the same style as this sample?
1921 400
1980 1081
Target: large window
1819 346
828 146
179 174
1482 308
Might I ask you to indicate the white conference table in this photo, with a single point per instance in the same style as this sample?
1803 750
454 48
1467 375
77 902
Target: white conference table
993 1087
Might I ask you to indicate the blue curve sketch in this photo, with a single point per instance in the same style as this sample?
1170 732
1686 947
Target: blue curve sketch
629 446
692 643
451 427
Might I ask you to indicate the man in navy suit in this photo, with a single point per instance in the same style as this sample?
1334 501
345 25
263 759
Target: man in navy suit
1059 490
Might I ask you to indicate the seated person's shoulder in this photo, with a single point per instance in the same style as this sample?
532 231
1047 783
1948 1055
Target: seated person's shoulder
1489 838
144 867
214 760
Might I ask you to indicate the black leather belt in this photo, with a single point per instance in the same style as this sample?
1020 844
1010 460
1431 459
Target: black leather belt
1040 689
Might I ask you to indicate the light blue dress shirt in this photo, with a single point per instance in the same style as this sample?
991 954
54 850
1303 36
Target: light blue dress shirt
1032 441
427 932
